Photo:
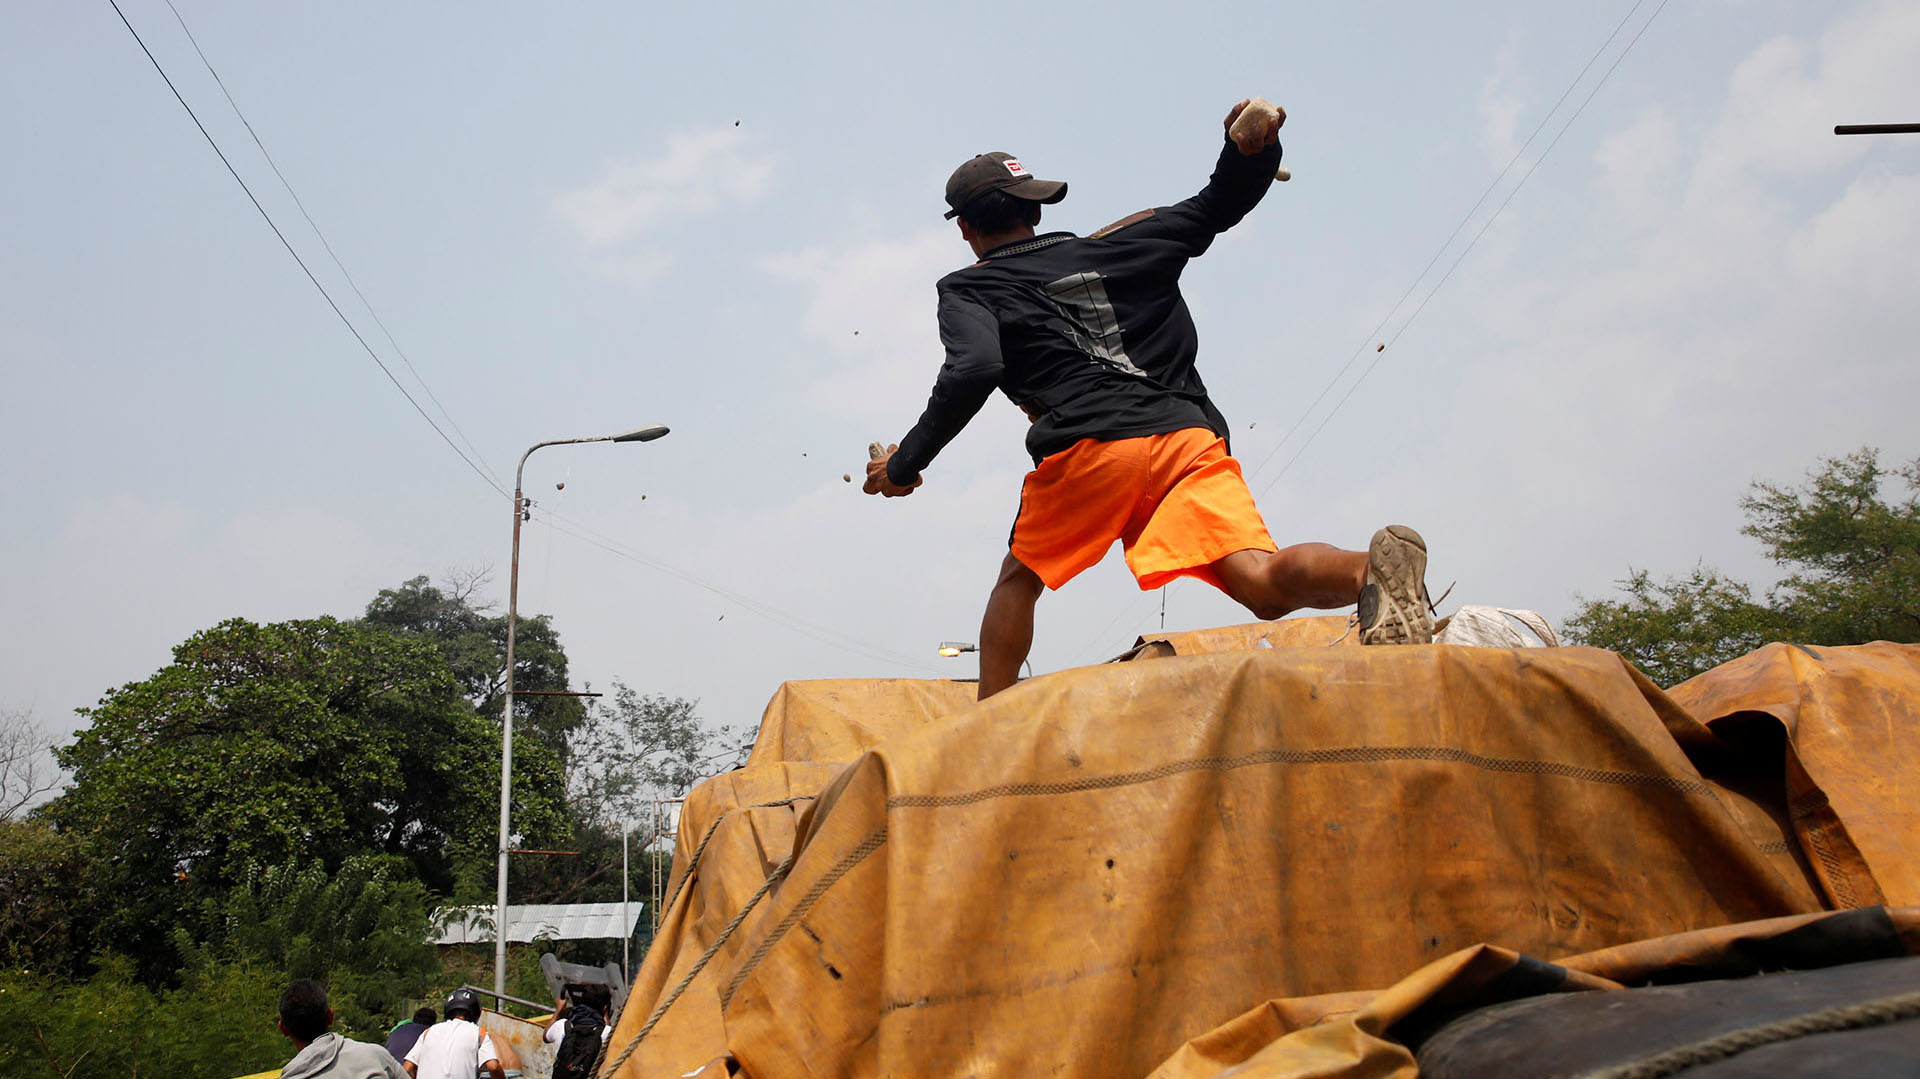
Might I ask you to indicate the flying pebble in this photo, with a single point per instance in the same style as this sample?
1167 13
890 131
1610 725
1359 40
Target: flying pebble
1381 347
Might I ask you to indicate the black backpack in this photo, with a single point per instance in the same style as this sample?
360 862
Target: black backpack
580 1046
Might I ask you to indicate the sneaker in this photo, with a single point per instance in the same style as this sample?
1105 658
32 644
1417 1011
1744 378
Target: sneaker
1393 602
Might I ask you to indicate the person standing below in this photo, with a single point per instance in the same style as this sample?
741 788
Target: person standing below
305 1016
1092 339
401 1038
584 1012
456 1048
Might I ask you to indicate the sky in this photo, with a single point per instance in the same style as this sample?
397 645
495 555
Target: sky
571 220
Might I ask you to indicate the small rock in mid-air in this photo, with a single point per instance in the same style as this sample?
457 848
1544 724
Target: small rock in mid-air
846 477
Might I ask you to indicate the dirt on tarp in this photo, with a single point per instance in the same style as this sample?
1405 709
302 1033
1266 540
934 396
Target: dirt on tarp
1098 867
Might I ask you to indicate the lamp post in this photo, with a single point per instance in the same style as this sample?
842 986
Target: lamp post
638 434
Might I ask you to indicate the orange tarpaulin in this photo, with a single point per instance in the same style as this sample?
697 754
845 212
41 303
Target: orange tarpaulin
837 719
1349 1034
1310 632
1848 718
735 829
1088 871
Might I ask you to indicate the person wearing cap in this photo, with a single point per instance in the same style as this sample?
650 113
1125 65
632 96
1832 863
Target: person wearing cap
1091 337
456 1048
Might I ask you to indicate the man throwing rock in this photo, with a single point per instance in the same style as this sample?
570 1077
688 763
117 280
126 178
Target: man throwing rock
1091 337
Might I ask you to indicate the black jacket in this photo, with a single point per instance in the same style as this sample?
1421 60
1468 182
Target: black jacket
1089 335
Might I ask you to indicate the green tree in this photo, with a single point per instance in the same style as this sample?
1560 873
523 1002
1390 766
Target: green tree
27 772
42 886
218 1023
635 747
361 931
631 748
1853 561
1855 555
261 743
45 891
473 642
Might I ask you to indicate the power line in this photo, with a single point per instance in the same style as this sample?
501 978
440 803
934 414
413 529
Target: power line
281 236
791 622
1374 334
1428 298
785 619
351 283
1380 354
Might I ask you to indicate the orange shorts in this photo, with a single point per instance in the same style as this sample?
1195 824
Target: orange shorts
1177 501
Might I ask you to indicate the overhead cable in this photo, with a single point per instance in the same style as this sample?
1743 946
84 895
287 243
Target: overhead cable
1482 231
795 623
786 620
281 236
1374 334
1379 354
338 265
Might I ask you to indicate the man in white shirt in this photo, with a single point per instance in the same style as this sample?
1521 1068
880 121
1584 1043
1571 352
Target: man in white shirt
456 1048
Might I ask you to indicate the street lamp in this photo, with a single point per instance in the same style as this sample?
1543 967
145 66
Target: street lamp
950 649
638 434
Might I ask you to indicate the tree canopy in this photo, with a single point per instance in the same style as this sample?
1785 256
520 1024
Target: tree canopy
635 748
259 743
289 800
361 930
473 642
1852 557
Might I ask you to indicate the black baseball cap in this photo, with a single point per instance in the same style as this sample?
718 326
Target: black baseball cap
998 172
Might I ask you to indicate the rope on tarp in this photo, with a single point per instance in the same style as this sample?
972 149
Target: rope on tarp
693 862
713 949
1870 1013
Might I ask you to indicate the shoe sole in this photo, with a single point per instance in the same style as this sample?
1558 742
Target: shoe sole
1393 608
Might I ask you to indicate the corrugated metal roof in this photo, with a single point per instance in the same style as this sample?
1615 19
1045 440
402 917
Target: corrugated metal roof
538 921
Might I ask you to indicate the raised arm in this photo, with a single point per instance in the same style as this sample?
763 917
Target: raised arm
1241 176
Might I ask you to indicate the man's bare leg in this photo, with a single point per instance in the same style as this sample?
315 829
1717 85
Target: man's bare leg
1006 630
1275 583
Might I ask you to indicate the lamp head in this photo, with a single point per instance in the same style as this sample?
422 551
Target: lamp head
954 648
642 434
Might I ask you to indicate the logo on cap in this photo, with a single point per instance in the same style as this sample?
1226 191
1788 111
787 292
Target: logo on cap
1015 168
